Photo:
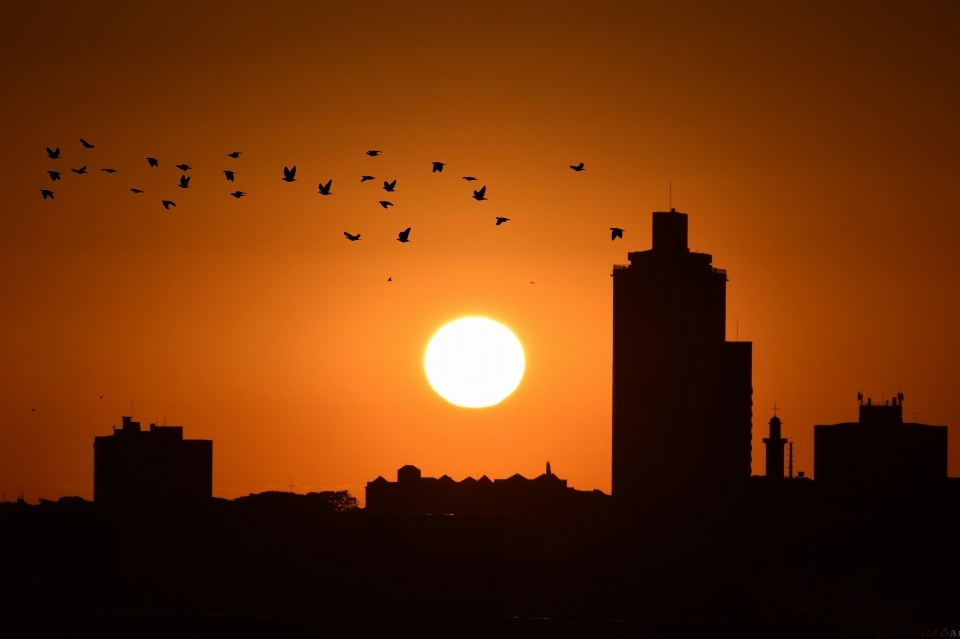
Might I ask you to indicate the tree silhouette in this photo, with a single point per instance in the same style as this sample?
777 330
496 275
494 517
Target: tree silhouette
339 500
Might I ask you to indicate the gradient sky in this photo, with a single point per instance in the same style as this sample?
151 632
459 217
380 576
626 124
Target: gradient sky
815 146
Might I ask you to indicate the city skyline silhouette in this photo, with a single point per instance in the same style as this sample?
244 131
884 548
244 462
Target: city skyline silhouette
816 161
712 247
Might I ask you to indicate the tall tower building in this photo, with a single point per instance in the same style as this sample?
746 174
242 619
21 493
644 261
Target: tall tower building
775 444
682 394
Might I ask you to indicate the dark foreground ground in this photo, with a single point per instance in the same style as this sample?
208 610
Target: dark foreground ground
766 563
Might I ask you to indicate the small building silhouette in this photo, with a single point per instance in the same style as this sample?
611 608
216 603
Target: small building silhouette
413 494
157 466
775 444
880 449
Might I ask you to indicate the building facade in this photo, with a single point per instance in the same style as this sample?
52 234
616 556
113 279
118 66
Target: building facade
682 393
156 466
413 494
775 444
879 450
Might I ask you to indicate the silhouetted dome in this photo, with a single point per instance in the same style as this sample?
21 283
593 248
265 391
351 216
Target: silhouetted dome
775 421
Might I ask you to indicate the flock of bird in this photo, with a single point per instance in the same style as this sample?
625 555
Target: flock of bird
290 175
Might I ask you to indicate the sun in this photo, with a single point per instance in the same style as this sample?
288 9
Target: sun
474 362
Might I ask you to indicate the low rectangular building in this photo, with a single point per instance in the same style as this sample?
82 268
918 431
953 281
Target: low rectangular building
413 494
879 450
157 466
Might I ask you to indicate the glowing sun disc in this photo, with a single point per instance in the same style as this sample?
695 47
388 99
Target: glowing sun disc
474 362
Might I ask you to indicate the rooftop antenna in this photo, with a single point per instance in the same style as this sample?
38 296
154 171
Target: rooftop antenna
291 484
774 409
790 461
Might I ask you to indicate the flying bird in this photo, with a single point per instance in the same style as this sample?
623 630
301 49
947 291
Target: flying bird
469 178
364 178
577 168
101 397
352 238
438 167
168 203
80 171
325 188
153 162
85 144
404 236
501 220
53 155
229 175
46 193
184 182
389 186
389 279
238 194
374 153
136 191
109 170
234 155
289 174
54 175
184 167
385 203
479 195
615 233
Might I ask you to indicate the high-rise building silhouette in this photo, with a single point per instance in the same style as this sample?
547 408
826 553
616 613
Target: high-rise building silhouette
682 394
880 450
157 466
775 444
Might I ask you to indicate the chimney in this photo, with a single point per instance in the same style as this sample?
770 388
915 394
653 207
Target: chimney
670 232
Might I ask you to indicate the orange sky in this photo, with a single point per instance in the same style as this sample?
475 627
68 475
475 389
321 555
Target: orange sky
816 148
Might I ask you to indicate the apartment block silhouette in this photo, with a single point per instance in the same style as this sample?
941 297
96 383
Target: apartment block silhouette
156 466
682 393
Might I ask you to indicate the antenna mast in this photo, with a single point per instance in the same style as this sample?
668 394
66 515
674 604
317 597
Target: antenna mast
790 461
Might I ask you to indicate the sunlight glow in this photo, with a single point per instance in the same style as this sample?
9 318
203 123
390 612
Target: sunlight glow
474 362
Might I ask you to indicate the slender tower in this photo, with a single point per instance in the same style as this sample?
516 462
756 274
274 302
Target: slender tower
682 394
775 444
